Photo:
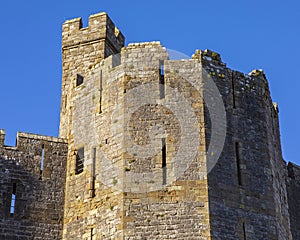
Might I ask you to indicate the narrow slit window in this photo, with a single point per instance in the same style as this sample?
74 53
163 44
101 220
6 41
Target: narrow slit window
79 161
13 200
42 161
100 91
79 80
238 163
92 233
164 161
244 231
94 171
233 91
161 79
66 101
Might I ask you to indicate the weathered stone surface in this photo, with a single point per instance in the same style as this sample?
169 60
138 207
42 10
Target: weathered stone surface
293 189
38 212
142 126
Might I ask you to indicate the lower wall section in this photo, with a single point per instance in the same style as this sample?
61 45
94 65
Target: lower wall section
32 183
179 211
23 230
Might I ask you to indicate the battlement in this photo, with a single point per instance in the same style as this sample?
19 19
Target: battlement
23 138
208 56
257 73
144 44
100 27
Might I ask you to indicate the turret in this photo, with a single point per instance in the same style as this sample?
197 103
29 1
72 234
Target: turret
81 49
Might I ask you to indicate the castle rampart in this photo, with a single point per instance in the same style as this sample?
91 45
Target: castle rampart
32 180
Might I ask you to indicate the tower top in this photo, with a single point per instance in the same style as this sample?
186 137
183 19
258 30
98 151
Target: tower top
100 27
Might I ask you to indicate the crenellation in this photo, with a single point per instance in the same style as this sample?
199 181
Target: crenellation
209 57
100 27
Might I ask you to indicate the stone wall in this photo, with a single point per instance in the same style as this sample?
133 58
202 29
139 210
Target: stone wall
39 192
177 209
293 189
247 195
124 204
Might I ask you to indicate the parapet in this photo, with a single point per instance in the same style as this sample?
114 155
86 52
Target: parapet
100 27
257 73
23 137
208 56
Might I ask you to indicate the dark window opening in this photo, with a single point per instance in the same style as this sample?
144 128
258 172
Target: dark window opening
66 101
100 91
13 200
244 231
106 141
79 161
164 161
161 79
42 162
233 91
238 163
79 80
92 233
94 171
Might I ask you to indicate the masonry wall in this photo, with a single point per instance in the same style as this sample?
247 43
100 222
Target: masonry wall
247 195
293 189
38 208
92 209
178 208
124 204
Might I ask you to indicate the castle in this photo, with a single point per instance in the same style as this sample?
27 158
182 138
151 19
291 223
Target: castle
150 148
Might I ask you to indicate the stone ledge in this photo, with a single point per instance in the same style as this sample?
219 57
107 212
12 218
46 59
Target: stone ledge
40 137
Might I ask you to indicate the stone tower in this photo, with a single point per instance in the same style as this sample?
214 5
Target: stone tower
114 191
150 148
81 49
150 153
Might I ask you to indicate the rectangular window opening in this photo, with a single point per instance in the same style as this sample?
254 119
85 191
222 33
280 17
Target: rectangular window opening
161 79
42 161
79 80
13 200
238 163
164 161
100 91
79 161
233 91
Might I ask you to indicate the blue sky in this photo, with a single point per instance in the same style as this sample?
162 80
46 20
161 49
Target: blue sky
248 35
